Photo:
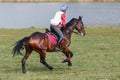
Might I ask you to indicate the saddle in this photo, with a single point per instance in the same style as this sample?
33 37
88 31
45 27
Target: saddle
51 36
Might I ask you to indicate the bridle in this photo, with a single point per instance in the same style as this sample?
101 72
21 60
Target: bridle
70 29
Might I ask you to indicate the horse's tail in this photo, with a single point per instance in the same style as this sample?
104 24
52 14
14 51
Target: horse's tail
19 45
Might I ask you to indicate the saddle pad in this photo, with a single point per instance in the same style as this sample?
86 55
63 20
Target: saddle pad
52 38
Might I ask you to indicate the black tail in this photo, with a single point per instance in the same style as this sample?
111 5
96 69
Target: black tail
19 45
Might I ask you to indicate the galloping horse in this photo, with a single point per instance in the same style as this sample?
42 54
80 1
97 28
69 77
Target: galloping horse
42 43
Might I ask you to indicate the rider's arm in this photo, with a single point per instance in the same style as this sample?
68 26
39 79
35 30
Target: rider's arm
63 16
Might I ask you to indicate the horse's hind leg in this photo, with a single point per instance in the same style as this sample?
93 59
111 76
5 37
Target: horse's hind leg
69 55
27 54
42 54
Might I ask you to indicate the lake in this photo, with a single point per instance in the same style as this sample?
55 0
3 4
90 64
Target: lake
23 15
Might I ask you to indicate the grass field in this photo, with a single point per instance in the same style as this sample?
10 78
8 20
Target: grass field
96 57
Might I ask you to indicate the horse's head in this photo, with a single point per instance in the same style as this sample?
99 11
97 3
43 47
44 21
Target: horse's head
76 24
79 26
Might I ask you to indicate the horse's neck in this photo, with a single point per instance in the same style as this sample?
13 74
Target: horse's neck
68 33
69 29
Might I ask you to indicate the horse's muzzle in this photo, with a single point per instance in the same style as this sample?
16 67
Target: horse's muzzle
82 34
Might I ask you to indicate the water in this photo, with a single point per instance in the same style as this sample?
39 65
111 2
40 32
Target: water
22 15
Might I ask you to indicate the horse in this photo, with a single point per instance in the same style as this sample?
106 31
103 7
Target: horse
42 42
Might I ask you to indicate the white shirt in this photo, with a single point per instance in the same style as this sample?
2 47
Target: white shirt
57 18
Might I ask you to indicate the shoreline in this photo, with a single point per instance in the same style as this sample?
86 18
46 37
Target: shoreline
59 0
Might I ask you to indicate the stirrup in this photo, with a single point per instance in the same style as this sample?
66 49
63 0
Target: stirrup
57 49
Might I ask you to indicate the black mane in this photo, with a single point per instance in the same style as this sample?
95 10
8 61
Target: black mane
71 22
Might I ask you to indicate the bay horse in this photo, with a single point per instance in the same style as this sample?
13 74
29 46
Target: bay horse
41 43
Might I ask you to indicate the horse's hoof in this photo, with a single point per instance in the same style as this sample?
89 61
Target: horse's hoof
64 61
70 64
24 72
51 68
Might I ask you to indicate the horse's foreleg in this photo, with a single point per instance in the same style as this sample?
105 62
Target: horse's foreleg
27 54
42 59
69 55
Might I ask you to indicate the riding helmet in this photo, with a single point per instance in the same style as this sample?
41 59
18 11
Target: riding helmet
63 8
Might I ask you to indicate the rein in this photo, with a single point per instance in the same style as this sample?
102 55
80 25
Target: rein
77 33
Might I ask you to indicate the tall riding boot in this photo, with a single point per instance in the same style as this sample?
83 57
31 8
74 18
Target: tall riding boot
58 45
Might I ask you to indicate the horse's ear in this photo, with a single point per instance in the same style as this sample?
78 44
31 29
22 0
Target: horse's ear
80 18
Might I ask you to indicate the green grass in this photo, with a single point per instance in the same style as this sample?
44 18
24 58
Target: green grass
96 57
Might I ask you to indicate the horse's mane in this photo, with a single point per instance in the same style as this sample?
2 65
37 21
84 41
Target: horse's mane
71 22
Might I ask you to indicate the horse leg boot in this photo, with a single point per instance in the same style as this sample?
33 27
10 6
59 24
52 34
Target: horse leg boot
69 55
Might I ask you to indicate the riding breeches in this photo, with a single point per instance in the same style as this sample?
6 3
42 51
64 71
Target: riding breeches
57 31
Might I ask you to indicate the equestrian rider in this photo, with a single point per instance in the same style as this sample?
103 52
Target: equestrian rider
57 22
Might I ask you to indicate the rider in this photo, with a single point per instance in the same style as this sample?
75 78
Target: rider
57 22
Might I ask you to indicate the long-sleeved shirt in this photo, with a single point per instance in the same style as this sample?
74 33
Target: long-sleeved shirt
59 19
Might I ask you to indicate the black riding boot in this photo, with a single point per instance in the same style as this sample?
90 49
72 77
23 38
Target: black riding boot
58 48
